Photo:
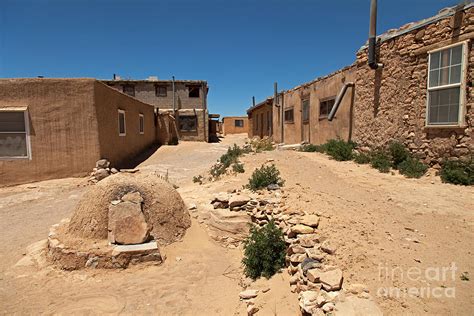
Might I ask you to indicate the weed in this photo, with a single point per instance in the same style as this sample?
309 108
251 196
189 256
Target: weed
198 179
264 176
398 153
412 168
362 158
313 148
380 160
458 172
264 251
238 167
339 149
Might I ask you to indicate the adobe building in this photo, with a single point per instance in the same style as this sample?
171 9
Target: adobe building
53 128
185 101
260 119
422 93
235 125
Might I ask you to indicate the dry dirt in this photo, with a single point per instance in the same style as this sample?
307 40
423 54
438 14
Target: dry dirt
375 219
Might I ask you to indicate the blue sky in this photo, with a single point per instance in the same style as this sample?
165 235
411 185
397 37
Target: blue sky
239 47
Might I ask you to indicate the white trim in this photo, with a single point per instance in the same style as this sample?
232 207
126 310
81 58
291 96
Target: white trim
124 123
140 117
461 85
26 132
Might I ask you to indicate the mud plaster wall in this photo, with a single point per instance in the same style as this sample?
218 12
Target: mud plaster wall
63 130
260 114
391 102
118 149
228 126
318 129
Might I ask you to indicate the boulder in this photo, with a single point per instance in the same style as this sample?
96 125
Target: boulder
301 229
331 280
297 258
248 294
308 300
313 275
102 164
134 197
238 200
308 264
310 220
127 224
308 240
101 174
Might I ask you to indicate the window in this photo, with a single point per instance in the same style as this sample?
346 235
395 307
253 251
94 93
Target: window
194 91
129 89
289 116
269 122
141 123
325 107
239 123
121 123
445 78
188 123
161 91
14 138
305 110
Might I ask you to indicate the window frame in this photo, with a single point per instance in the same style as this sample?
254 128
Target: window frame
26 118
324 100
124 123
292 109
159 86
238 120
141 123
461 85
305 121
194 87
195 122
128 85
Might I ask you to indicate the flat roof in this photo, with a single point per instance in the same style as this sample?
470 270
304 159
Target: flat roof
152 81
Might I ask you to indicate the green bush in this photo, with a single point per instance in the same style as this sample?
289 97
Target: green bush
264 251
412 168
198 179
217 170
458 172
313 148
362 158
264 176
238 167
398 153
339 149
231 156
380 160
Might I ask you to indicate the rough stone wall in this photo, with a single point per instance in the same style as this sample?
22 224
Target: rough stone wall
391 101
119 150
228 125
63 128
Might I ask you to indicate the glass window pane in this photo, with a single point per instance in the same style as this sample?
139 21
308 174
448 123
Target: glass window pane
444 76
434 97
12 122
445 57
444 96
13 145
443 114
455 76
434 78
454 95
456 55
444 106
453 113
434 61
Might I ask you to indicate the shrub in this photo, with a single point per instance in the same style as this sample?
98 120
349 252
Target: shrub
231 155
362 158
264 251
398 153
238 167
198 179
380 160
458 172
412 168
313 148
339 149
264 176
217 170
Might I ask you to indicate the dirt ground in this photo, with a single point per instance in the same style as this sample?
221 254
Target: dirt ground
380 222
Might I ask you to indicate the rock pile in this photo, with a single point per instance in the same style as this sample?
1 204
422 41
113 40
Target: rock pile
101 171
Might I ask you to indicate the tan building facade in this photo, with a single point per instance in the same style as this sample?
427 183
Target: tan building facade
53 128
184 100
260 119
235 125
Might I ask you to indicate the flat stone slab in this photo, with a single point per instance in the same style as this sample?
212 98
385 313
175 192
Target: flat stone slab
146 247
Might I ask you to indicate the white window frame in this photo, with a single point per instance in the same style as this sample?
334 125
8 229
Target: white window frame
124 122
141 118
27 134
461 85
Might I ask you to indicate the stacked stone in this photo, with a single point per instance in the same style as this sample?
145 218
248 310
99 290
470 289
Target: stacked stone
101 171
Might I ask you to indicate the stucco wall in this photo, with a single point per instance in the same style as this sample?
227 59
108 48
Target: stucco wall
228 125
261 113
120 149
63 128
318 129
391 101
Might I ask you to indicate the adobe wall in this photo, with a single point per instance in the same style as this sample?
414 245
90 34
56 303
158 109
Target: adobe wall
318 129
228 125
260 113
63 130
121 149
391 101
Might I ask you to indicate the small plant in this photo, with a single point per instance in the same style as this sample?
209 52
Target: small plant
398 153
231 157
217 170
412 168
362 158
465 276
339 149
198 179
261 144
264 251
458 172
264 176
380 160
238 167
313 148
